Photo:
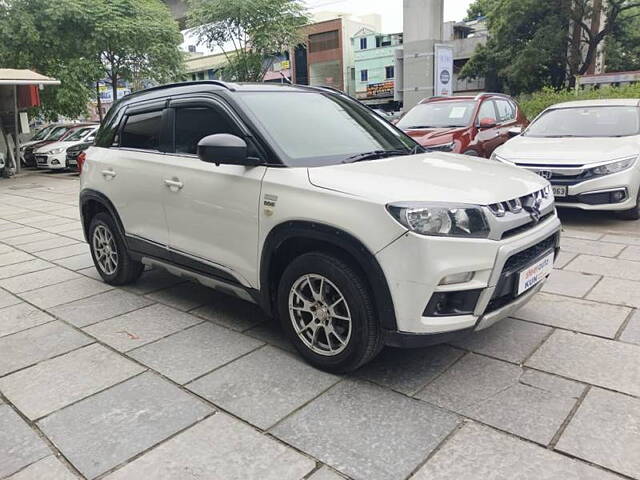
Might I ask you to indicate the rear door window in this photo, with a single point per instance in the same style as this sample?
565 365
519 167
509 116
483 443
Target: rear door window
506 110
142 131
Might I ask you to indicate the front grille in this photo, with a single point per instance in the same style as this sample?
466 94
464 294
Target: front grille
505 291
516 205
41 159
523 228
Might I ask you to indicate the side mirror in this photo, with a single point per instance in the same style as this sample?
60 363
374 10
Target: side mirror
515 131
226 149
487 123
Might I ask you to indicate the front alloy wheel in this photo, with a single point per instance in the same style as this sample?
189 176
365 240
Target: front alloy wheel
320 314
105 250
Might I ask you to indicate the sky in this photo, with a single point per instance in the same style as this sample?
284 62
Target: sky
390 10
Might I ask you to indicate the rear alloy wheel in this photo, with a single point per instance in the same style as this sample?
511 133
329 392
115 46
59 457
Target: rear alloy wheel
326 308
109 252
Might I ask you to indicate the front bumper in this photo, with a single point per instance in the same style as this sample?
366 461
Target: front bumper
51 162
415 265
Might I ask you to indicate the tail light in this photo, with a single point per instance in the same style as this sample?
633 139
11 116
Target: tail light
81 158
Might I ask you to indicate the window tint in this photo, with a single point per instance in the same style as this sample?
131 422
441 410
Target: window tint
142 131
193 124
487 110
506 110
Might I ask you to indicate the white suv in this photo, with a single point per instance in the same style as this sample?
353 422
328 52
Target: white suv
588 150
303 201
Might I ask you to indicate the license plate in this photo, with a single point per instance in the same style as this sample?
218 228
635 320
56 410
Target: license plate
72 163
559 190
534 274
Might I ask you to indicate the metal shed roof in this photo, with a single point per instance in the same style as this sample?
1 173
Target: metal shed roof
10 76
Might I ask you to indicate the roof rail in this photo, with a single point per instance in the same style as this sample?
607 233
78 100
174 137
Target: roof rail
495 94
227 85
326 87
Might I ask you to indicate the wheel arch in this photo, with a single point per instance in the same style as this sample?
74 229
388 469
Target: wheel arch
291 239
93 202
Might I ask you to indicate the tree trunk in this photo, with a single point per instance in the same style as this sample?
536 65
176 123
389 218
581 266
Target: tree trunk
98 101
114 87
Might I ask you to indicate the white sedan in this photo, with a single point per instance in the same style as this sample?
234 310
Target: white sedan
54 155
588 150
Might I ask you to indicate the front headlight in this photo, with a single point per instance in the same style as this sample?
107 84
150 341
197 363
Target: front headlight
55 151
613 167
441 220
442 147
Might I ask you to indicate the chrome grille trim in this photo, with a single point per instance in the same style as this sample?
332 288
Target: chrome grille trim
514 216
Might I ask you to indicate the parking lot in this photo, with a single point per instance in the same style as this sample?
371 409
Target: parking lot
168 379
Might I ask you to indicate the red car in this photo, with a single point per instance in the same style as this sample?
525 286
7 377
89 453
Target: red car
470 125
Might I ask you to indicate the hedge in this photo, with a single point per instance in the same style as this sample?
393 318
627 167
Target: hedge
534 103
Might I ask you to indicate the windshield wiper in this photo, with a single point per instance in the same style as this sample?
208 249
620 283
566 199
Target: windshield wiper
375 154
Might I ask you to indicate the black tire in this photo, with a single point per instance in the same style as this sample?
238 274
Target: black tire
632 213
127 270
365 340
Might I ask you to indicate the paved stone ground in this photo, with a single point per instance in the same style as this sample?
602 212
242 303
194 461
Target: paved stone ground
170 380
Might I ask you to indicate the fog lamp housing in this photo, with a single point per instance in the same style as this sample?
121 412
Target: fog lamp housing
446 304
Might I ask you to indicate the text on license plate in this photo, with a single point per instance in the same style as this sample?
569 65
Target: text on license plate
559 190
534 274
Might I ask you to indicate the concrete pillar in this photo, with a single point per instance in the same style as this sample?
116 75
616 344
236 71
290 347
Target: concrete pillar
423 21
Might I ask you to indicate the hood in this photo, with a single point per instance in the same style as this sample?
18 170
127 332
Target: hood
568 151
51 145
432 135
435 177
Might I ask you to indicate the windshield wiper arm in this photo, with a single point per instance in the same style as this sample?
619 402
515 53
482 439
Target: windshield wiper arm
375 154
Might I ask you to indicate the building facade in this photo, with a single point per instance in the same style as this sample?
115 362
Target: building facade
374 67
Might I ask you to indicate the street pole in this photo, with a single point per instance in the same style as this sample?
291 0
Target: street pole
16 155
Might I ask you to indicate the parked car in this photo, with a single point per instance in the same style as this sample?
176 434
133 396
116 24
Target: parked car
73 154
342 230
473 126
55 134
38 137
53 155
588 150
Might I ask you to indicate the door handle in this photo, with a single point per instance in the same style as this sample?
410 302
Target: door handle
174 184
108 174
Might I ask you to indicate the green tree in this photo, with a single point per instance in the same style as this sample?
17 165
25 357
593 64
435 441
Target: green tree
526 48
248 32
479 8
622 51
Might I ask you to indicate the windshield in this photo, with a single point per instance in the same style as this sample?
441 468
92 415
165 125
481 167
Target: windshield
78 134
314 128
438 115
41 135
58 133
617 121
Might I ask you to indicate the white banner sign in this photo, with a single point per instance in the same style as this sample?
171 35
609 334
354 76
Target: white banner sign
443 74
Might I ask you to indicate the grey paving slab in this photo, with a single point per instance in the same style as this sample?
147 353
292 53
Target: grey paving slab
72 249
56 383
574 314
24 267
15 256
77 233
77 262
6 248
153 280
185 296
609 267
270 332
606 363
33 237
606 431
39 279
631 333
36 218
231 312
140 327
617 291
134 416
625 239
190 353
31 346
573 284
478 452
65 227
366 431
87 311
18 230
631 253
45 245
49 468
90 272
590 247
49 222
325 473
510 339
581 234
7 299
19 444
65 292
7 225
492 392
407 371
219 448
564 258
20 317
264 386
